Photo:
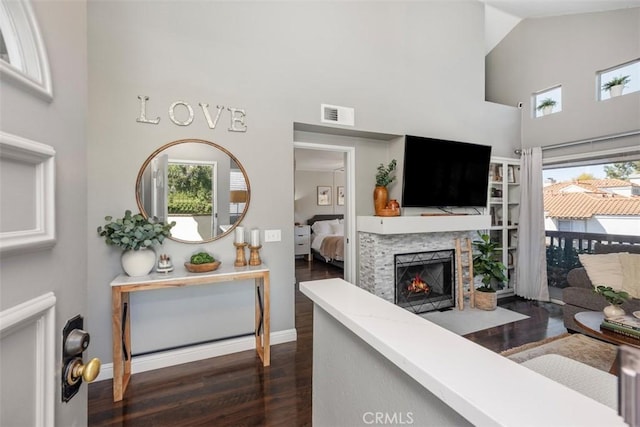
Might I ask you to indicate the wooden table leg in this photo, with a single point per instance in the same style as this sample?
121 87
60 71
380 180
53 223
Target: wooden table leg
262 327
121 336
266 342
116 336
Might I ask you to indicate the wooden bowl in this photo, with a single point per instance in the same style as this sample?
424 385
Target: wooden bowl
202 268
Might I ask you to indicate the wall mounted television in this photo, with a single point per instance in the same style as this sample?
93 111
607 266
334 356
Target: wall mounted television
439 173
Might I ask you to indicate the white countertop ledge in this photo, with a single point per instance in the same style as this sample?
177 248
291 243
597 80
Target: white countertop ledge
482 386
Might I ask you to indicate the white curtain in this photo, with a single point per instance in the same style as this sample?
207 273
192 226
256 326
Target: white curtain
531 277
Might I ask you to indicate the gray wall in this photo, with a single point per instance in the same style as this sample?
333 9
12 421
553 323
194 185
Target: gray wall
306 200
568 51
279 61
60 123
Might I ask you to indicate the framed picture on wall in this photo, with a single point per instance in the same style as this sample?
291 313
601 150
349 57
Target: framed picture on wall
324 195
340 197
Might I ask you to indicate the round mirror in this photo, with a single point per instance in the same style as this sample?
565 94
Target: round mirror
196 183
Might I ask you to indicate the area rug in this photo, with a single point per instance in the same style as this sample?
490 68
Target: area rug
469 320
590 351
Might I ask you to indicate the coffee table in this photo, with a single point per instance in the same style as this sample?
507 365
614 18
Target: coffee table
591 320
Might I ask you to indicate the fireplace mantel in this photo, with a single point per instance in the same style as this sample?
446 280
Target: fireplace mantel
422 224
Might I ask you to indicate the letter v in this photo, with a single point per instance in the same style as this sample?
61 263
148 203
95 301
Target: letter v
205 110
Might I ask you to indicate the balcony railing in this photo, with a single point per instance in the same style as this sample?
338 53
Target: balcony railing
563 248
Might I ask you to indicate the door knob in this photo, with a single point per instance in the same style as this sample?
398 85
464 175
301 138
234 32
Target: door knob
76 370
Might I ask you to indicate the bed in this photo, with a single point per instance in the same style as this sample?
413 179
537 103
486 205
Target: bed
327 238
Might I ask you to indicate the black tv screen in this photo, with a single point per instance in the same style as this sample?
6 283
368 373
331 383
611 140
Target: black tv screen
443 173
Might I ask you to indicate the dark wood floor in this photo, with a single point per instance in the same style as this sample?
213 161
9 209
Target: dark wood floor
235 390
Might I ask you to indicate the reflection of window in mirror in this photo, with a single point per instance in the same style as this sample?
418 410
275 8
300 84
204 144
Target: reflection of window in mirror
239 193
191 199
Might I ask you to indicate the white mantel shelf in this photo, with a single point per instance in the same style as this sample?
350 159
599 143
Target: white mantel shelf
422 224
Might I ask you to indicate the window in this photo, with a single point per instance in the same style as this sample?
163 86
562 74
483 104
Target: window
548 101
23 56
619 80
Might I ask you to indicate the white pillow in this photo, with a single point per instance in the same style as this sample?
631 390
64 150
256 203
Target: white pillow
631 273
321 227
603 269
337 229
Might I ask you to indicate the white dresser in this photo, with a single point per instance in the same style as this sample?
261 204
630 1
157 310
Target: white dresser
303 241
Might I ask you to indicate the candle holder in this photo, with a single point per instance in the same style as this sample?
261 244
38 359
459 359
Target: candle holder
241 260
254 257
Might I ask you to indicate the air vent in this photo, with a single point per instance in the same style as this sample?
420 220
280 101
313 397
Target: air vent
337 115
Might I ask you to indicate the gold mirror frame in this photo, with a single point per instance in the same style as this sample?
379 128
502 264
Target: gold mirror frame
197 141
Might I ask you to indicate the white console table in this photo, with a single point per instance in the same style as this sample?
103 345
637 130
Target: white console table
123 285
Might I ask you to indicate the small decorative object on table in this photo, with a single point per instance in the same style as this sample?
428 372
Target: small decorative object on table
239 243
254 247
623 324
164 264
201 262
614 298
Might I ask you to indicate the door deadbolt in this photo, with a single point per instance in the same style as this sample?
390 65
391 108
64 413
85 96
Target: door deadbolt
77 341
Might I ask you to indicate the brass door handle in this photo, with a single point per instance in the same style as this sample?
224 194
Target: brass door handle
76 370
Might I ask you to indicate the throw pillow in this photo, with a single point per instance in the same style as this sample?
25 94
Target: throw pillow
323 227
603 269
631 273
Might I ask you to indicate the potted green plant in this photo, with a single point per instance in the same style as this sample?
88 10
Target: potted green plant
616 85
546 105
134 234
384 177
614 298
486 265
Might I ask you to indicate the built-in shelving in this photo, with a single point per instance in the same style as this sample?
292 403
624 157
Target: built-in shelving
504 210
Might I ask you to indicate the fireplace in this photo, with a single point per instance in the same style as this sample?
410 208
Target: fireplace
424 281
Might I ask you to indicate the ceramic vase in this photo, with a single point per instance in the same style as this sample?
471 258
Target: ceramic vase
380 198
138 263
613 310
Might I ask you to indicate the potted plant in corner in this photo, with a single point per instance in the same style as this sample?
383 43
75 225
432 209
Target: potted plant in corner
546 106
616 85
486 265
614 298
135 235
384 177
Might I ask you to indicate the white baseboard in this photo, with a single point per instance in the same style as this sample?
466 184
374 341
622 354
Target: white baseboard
197 352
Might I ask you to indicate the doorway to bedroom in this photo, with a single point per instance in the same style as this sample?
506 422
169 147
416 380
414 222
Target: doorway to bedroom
323 205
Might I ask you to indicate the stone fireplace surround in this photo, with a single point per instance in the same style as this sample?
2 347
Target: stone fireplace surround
380 238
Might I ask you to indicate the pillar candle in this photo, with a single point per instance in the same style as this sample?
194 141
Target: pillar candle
255 237
239 234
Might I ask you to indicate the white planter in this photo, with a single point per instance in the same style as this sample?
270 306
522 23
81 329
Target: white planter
612 311
138 263
616 90
547 110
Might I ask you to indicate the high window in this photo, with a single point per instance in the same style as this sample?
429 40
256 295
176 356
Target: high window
547 101
619 80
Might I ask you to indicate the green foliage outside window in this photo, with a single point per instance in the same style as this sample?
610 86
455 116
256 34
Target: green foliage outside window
190 189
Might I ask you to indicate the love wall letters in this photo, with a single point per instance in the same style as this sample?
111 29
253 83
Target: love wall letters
236 115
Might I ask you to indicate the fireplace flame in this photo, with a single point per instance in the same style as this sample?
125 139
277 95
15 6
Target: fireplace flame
418 285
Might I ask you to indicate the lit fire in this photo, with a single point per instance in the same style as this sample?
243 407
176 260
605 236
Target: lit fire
418 285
